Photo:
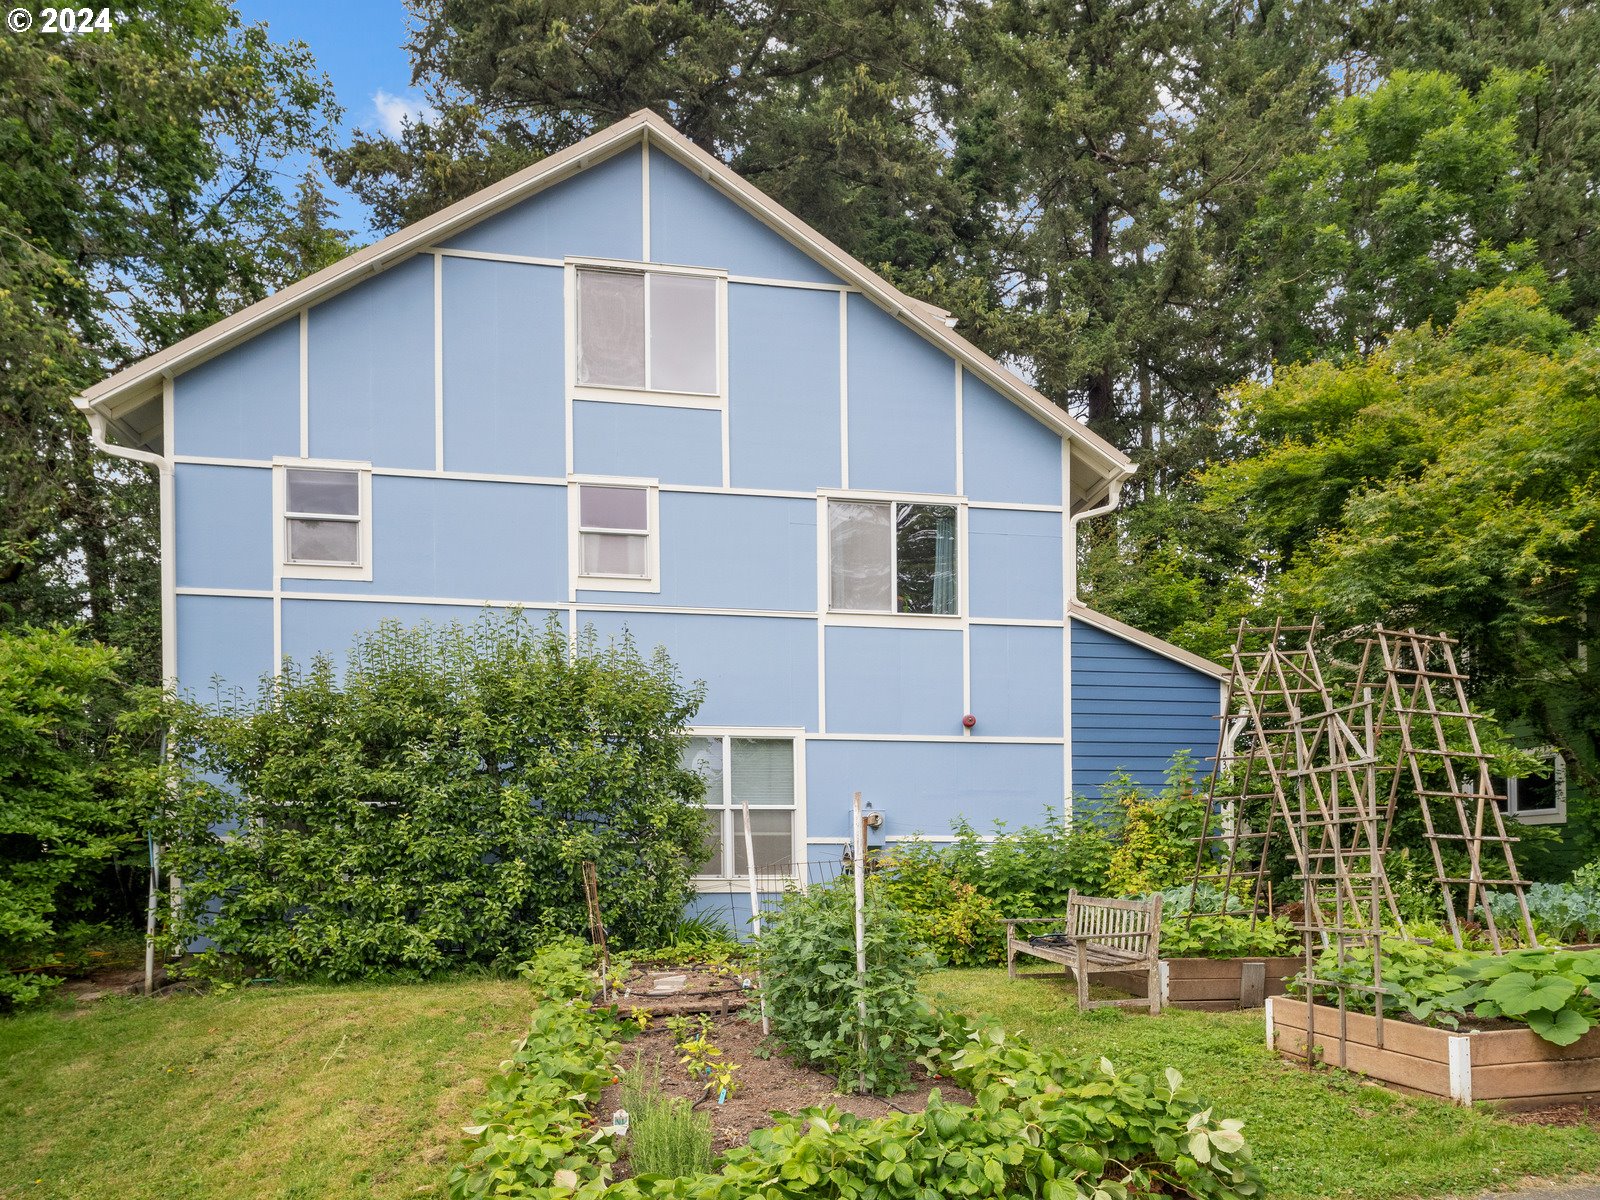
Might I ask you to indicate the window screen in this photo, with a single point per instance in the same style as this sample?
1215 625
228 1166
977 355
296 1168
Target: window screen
322 517
648 330
614 531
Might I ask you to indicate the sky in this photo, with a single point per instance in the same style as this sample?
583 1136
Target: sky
360 46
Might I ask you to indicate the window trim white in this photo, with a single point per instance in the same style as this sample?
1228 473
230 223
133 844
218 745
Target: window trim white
618 394
1541 816
286 568
650 582
872 616
797 834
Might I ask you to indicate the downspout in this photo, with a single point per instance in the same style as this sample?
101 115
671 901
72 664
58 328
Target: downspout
1113 498
164 482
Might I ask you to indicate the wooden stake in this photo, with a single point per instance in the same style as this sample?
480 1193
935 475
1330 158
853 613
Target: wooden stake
597 929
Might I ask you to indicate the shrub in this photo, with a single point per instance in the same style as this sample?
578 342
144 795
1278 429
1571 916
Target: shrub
435 804
66 802
1027 872
957 921
808 977
1218 936
1156 846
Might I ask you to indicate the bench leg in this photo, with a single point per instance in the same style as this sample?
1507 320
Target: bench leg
1155 988
1083 981
1011 954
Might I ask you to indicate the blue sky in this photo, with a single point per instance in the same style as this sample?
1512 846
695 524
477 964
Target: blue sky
360 45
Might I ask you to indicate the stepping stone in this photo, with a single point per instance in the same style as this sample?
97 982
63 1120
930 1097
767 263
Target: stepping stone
666 985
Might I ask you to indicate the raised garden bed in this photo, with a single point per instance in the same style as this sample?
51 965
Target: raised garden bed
1509 1067
1213 984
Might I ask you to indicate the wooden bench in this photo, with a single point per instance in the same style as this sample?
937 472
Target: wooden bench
1097 935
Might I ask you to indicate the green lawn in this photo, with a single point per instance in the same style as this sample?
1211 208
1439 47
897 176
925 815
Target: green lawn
360 1091
278 1091
1321 1135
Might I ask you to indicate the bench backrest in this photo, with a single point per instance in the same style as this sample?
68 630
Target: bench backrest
1118 924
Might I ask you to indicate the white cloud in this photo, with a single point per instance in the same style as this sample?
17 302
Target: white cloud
392 110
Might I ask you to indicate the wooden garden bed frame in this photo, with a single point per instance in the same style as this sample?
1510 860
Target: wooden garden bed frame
1214 984
1509 1068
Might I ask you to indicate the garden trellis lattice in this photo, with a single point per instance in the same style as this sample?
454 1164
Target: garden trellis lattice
1321 755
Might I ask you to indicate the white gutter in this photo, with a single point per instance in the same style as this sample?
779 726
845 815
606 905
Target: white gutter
1113 497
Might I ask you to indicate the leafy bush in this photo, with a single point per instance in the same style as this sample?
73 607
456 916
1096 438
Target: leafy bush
957 921
1155 848
807 954
1562 912
1550 991
435 804
67 804
1029 871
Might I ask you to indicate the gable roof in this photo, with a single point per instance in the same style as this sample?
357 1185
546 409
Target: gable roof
1080 611
136 384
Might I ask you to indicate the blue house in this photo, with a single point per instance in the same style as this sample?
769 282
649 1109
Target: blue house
624 387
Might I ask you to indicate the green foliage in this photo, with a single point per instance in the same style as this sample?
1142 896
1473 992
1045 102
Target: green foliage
1028 872
1226 937
665 1135
1562 912
813 998
958 922
435 804
1550 991
533 1130
1156 846
66 807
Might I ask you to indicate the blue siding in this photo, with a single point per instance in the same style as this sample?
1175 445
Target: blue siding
1015 569
329 627
244 403
718 551
921 787
783 368
1133 709
462 539
902 406
694 225
1016 680
757 670
223 636
223 517
674 445
1008 455
371 370
504 368
597 213
888 680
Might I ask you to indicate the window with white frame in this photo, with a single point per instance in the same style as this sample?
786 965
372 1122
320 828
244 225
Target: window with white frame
325 520
893 556
1537 799
616 533
653 331
760 772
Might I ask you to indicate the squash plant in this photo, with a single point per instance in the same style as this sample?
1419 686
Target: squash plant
1550 991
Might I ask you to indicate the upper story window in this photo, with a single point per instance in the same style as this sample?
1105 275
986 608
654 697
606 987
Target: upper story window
893 556
655 331
324 519
617 546
760 772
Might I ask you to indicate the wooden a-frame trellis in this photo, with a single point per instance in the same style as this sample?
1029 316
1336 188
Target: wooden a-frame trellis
1324 765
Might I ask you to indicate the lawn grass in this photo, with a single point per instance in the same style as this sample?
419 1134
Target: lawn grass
355 1091
1317 1135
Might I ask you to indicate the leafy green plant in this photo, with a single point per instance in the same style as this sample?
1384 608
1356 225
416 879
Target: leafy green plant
67 792
1226 937
815 1002
958 922
1550 991
665 1135
433 804
1156 845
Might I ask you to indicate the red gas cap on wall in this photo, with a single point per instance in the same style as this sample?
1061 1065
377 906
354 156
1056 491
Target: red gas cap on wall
969 720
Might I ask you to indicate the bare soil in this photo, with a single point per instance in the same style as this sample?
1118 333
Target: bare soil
765 1085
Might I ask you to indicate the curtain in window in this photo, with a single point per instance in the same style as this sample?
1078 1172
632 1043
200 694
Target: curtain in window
944 561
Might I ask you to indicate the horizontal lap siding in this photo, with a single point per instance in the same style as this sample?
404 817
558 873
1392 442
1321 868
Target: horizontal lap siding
1133 709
